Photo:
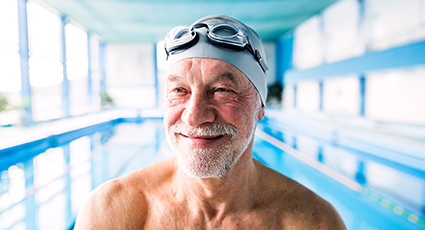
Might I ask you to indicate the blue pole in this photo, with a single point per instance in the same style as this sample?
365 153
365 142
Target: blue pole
320 154
362 80
360 177
321 96
155 67
24 56
295 96
89 74
102 67
65 82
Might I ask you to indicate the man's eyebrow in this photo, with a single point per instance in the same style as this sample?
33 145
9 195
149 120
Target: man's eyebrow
172 77
229 76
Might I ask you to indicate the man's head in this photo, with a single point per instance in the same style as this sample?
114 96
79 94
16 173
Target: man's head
211 105
223 38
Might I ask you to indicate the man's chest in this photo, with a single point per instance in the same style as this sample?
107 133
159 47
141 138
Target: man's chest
179 219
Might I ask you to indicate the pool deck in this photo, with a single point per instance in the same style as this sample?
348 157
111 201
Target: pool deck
19 134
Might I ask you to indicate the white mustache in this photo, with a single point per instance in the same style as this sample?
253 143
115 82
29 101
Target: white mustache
205 130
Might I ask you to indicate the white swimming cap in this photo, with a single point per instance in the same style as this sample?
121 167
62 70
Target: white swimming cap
241 59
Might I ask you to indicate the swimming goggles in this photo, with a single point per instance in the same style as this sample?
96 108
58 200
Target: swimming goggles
221 34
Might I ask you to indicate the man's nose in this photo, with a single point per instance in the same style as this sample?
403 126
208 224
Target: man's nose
198 110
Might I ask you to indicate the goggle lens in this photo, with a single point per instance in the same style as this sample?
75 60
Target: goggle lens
225 35
224 31
179 38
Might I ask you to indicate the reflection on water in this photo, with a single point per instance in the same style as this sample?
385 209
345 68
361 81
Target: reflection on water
12 187
341 160
47 191
406 188
48 169
392 185
81 185
52 214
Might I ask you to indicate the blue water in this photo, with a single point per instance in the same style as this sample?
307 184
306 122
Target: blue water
46 190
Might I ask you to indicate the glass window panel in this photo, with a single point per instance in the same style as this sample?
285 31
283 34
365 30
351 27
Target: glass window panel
393 23
95 72
44 32
396 96
342 36
77 68
45 68
308 46
308 96
10 71
288 95
130 71
341 96
9 25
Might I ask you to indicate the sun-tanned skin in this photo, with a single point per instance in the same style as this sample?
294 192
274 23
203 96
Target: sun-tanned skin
250 196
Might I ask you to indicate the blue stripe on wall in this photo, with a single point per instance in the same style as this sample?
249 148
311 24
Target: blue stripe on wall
284 47
408 55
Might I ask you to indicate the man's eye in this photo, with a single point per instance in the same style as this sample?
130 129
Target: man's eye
178 90
221 90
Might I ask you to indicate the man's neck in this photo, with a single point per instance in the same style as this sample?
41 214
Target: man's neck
215 197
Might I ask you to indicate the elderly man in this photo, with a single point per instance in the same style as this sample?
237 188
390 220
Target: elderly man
215 92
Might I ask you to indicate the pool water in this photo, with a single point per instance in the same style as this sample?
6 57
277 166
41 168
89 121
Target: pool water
46 190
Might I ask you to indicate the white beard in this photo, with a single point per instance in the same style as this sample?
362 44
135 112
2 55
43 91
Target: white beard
208 162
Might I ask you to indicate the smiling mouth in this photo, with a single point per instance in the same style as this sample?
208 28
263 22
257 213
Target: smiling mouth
204 137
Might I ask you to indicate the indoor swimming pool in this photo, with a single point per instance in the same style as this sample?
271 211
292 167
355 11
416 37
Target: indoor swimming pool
44 182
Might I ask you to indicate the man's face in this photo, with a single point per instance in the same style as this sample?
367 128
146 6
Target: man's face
211 111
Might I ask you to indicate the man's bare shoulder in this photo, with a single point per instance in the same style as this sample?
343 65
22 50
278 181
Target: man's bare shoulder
300 208
123 200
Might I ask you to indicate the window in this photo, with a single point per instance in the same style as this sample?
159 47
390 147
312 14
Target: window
45 66
77 68
10 72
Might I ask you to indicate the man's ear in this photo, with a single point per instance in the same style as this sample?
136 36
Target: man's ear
262 113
